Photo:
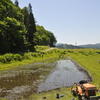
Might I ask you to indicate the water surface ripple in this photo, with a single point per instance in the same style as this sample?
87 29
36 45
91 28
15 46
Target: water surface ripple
64 74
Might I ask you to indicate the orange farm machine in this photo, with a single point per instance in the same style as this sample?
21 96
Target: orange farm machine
85 91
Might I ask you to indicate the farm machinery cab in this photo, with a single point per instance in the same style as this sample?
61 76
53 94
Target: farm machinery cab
85 91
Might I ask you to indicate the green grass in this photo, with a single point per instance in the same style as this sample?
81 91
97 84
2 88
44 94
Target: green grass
41 48
91 64
51 95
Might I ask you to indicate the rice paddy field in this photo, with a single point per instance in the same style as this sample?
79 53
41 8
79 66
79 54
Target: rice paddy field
89 59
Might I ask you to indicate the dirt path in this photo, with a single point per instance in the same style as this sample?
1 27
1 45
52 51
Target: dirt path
49 49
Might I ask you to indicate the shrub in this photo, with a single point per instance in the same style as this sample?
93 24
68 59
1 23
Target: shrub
8 57
2 59
43 53
86 53
98 52
35 55
27 56
70 51
17 57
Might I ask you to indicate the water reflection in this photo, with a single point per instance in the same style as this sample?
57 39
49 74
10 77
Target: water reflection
65 74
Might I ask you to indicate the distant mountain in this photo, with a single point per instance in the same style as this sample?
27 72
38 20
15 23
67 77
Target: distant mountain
58 44
66 46
97 46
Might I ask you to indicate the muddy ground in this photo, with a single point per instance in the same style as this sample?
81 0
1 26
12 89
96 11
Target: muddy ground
21 82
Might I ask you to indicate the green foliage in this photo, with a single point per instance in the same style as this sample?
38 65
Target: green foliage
70 51
13 36
31 55
27 56
17 57
44 37
26 16
31 29
2 59
41 37
52 39
8 57
98 52
12 29
8 9
88 52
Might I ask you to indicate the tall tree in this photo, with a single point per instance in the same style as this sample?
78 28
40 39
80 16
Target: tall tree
30 8
16 3
31 29
26 19
26 16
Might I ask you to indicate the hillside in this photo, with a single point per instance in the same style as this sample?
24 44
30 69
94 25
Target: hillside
67 46
97 46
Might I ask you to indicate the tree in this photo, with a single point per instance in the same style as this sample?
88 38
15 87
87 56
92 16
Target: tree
26 16
31 29
44 37
26 20
29 8
16 3
41 37
52 39
12 38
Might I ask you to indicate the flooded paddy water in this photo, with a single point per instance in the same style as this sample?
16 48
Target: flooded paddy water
21 82
65 74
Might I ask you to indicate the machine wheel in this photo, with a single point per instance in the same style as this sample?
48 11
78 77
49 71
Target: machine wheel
74 93
80 97
73 90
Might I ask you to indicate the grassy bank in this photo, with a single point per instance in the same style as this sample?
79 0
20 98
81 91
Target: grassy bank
10 60
90 60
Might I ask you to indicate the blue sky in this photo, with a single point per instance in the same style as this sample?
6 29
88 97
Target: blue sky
71 21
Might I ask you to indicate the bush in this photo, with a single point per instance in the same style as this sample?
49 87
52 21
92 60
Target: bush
35 55
87 53
70 51
17 57
98 52
2 59
8 57
27 56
